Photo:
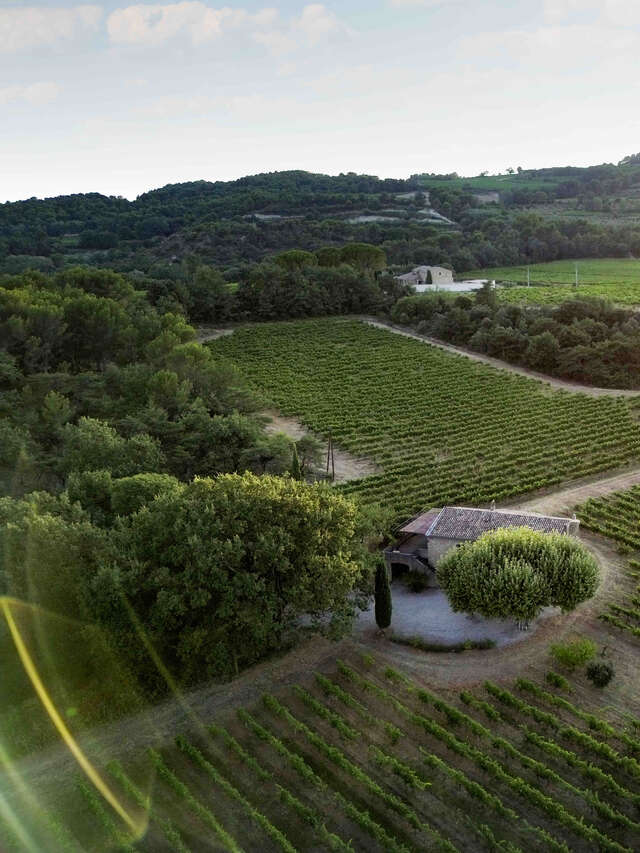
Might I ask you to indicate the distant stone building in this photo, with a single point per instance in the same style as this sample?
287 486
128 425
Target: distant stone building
427 275
425 539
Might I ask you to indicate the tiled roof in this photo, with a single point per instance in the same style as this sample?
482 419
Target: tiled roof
421 523
466 523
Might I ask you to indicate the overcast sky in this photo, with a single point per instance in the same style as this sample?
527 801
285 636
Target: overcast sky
120 98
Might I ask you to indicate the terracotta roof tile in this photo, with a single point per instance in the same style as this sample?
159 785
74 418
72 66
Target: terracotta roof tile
466 523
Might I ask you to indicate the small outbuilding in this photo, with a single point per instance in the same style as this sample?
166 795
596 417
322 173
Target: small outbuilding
427 537
427 275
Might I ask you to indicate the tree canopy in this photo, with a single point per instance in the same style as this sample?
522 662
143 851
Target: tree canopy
215 574
515 572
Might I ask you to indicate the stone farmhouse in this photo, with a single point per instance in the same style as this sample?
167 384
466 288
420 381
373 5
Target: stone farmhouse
427 275
426 538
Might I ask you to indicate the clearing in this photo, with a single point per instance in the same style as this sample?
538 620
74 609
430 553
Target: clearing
347 466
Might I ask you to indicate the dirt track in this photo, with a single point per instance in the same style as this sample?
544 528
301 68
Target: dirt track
347 466
210 333
563 501
501 365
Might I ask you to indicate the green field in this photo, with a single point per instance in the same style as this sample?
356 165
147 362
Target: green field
617 517
442 428
363 759
492 183
617 279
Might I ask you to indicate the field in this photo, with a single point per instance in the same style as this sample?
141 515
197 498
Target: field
362 758
442 428
617 517
617 279
493 183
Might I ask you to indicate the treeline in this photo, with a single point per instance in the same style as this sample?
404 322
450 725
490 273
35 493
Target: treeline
333 280
62 225
233 225
138 479
585 340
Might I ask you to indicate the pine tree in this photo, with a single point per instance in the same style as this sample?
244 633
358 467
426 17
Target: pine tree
296 469
383 604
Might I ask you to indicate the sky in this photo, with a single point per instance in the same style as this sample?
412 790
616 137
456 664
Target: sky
121 98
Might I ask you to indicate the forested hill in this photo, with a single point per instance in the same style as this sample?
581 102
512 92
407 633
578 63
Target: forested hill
523 215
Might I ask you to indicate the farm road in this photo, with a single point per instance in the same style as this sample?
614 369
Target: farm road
564 500
561 384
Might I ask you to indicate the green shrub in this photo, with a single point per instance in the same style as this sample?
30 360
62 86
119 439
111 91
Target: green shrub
600 673
574 654
515 572
425 646
557 680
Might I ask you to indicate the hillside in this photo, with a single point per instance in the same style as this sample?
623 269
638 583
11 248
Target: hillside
527 216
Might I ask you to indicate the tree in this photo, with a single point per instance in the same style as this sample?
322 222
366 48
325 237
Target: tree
310 451
220 572
383 602
542 352
364 257
296 468
130 494
93 444
515 572
296 259
210 299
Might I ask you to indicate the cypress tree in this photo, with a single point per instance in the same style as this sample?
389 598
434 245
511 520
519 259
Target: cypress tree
296 468
382 597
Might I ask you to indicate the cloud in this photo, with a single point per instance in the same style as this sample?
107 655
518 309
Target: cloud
157 23
552 49
199 23
315 24
425 4
33 93
615 13
34 26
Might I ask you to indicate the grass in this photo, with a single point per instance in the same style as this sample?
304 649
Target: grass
617 279
493 183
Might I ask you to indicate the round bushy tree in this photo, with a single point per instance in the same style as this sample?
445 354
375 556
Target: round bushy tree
515 572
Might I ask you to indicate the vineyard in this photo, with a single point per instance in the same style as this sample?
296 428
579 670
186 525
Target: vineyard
617 517
442 429
362 758
617 279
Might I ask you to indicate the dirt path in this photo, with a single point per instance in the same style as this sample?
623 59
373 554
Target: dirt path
564 501
210 333
501 365
347 467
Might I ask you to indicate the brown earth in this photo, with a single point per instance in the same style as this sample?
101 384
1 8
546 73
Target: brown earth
347 466
210 333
